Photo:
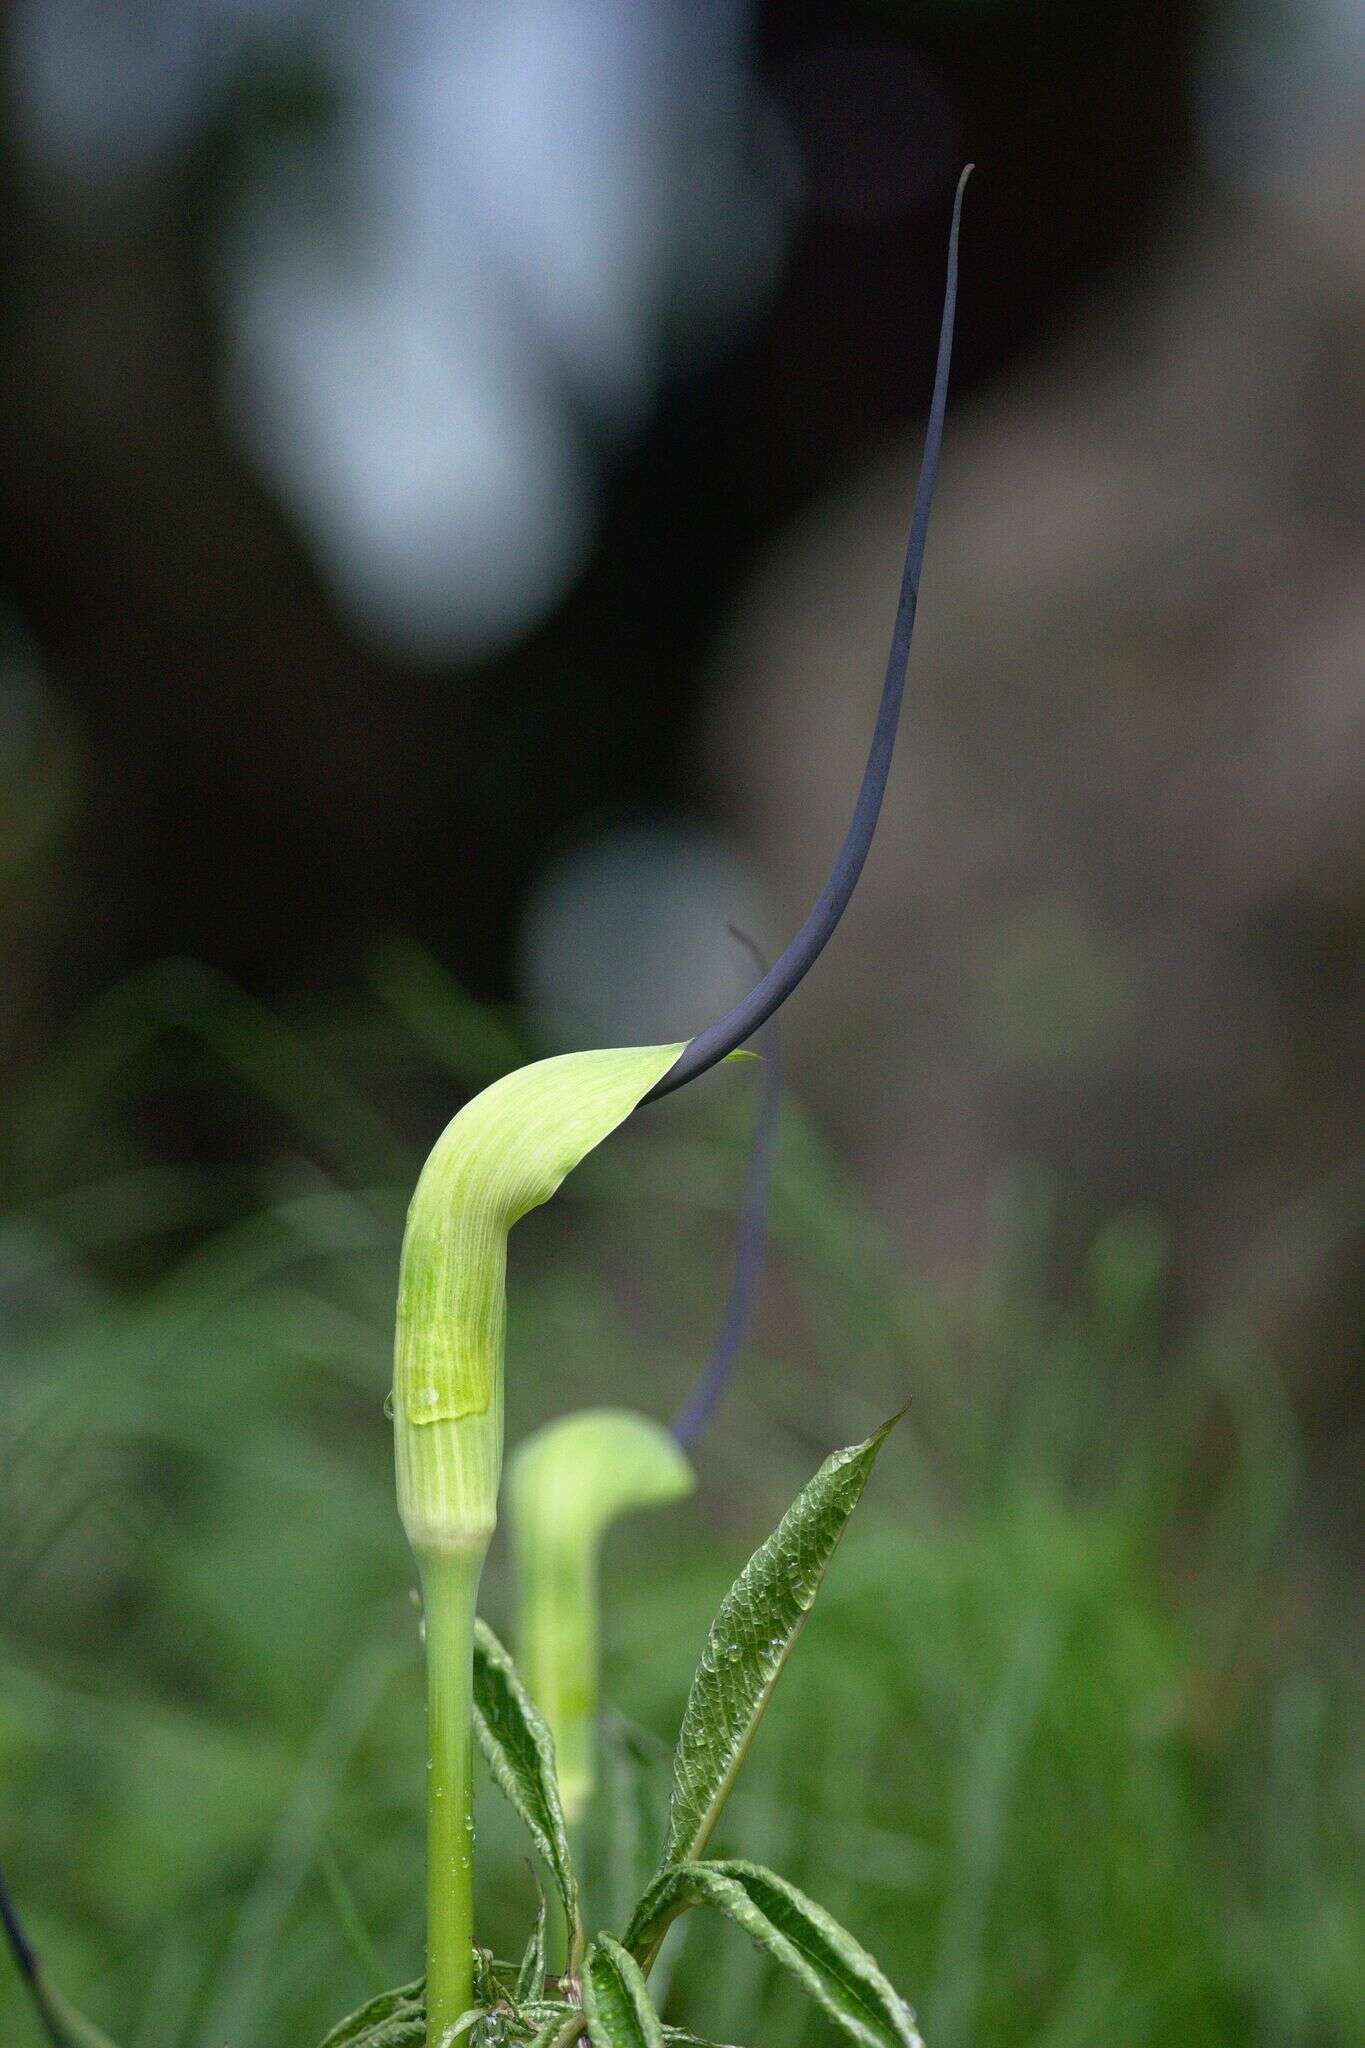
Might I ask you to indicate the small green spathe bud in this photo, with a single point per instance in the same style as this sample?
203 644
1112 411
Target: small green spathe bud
567 1483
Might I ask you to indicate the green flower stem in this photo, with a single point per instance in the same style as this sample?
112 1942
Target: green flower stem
505 1153
558 1649
450 1585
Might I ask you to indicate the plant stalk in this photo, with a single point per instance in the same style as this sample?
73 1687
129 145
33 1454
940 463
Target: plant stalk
450 1584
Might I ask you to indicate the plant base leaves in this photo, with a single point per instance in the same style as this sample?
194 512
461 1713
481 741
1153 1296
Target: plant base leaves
837 1972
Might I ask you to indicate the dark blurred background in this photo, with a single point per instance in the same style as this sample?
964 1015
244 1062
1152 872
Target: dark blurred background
452 479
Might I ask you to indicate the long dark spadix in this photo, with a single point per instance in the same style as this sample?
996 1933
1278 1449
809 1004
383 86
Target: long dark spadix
739 1024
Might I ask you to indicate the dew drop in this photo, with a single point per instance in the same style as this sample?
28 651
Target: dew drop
388 1405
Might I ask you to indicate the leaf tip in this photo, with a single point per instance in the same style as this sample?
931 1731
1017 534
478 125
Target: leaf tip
879 1436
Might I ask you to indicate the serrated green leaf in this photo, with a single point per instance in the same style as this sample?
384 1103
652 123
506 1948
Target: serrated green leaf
396 2019
750 1641
826 1961
521 1756
616 1999
531 1975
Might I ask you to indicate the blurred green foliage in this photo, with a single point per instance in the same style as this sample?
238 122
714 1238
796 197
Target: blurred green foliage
1067 1743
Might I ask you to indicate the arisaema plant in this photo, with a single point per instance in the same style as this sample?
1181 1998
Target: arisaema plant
506 1152
571 1479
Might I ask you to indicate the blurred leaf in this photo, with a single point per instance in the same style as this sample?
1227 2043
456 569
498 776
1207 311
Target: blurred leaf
521 1756
750 1640
259 1935
62 2025
469 1039
635 1808
839 1975
616 1999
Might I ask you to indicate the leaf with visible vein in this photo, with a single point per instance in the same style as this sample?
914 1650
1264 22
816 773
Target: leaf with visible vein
616 1999
521 1756
396 2019
750 1641
826 1961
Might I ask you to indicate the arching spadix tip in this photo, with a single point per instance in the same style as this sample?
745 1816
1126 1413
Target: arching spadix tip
773 989
586 1469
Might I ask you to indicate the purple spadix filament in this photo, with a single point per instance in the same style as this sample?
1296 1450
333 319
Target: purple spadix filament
739 1024
20 1947
701 1404
26 1962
